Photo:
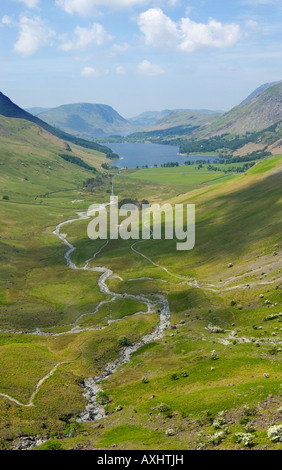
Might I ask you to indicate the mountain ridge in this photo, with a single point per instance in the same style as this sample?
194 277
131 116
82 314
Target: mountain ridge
259 90
36 110
256 114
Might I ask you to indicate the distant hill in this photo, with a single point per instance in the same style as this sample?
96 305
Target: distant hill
255 114
148 118
10 109
182 117
87 120
36 111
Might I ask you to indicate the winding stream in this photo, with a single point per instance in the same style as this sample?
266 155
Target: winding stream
91 386
94 410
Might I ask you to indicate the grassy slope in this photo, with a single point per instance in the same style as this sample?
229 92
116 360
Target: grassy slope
229 224
31 163
242 365
39 290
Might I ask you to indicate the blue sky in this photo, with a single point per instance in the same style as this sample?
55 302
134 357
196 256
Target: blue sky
138 55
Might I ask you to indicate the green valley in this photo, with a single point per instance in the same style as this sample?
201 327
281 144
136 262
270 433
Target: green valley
140 229
132 344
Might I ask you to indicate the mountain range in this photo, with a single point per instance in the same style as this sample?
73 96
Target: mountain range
261 109
76 122
88 120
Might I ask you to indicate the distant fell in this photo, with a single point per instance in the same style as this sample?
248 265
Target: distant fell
35 111
86 120
148 118
182 117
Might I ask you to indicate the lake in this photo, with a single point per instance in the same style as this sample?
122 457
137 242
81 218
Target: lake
140 154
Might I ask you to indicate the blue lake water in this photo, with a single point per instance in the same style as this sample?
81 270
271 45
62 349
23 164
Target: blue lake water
140 154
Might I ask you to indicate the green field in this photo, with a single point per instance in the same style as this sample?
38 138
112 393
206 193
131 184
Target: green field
182 175
236 263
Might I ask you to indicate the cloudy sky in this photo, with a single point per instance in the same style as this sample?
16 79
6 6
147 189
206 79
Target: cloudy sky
138 55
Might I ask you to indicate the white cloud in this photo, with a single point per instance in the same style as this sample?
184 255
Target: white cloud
88 7
213 34
159 30
120 70
187 35
90 72
149 69
30 3
6 20
33 34
251 24
83 37
117 48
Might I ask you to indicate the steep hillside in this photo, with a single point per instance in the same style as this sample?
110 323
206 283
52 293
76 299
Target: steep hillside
86 120
262 111
258 91
10 109
252 145
34 163
269 139
224 341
